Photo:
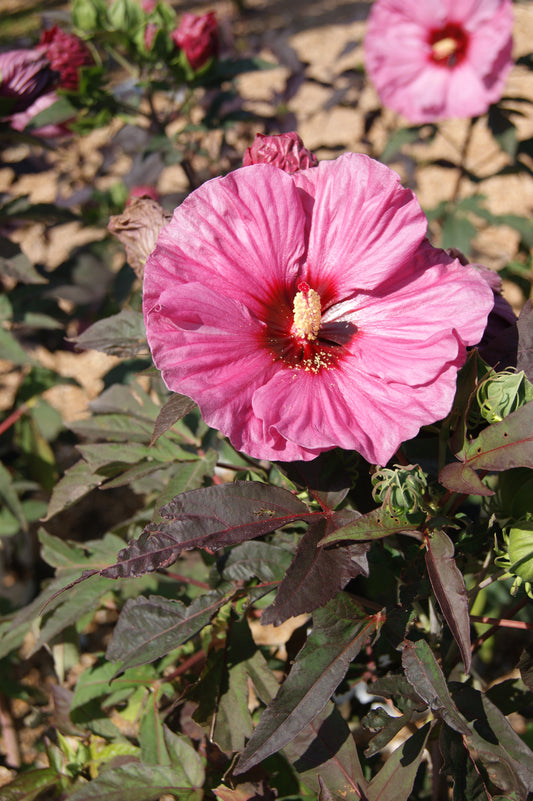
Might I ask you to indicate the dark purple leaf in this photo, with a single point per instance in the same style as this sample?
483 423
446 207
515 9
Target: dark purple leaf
525 666
326 749
395 780
426 677
450 591
148 628
505 756
383 727
210 517
525 341
315 575
173 410
338 634
500 446
468 784
371 526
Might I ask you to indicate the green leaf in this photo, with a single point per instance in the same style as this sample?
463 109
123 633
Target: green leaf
338 634
395 780
9 496
137 782
151 733
426 677
149 628
399 138
11 351
184 758
77 482
371 526
457 231
16 265
27 786
60 111
500 446
188 476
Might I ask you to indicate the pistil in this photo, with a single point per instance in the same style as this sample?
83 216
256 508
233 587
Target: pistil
306 311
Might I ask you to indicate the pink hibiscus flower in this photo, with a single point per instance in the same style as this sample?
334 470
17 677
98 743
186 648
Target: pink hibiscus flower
25 75
307 311
439 58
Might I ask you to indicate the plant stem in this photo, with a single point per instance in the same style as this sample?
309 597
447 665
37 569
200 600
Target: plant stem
462 158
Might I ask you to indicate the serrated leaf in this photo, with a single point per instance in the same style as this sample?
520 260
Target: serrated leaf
500 446
149 628
506 757
450 591
315 575
188 476
326 748
100 681
395 780
338 634
371 526
173 410
122 334
212 517
525 341
262 560
426 677
137 782
77 482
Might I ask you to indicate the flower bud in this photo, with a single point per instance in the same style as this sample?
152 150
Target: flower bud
285 151
503 393
198 37
138 228
402 489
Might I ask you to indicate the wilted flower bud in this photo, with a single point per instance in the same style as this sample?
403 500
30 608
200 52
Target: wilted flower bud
402 489
25 75
198 37
66 53
503 393
138 228
285 151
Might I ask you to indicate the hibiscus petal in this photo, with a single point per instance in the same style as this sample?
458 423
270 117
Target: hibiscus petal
365 225
241 234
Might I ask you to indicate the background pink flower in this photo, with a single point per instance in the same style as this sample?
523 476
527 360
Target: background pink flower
67 53
197 36
24 76
21 120
307 311
285 151
439 58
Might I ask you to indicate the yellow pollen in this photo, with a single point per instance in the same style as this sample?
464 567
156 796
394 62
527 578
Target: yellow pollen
444 48
306 313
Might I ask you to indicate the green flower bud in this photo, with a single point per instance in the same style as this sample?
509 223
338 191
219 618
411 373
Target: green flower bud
517 558
502 394
402 489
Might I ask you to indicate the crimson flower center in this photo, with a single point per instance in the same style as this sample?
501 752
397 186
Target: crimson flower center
448 45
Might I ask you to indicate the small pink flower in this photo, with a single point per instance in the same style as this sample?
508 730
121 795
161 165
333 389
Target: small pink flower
197 36
148 6
436 59
308 311
24 76
67 53
285 151
21 120
149 34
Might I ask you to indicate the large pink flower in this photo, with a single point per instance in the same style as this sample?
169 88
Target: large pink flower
307 311
434 59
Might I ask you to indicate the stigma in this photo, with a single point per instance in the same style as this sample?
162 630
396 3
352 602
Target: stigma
444 48
306 312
